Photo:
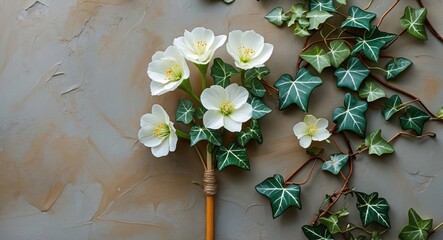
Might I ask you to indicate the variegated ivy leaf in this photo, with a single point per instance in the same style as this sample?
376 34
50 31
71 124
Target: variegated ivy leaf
377 145
352 115
222 72
371 92
200 112
297 12
319 232
228 1
353 75
396 66
335 163
253 132
232 155
185 111
341 1
253 78
296 91
358 18
198 133
373 209
414 119
338 52
259 109
417 229
301 31
391 106
376 236
316 18
331 223
280 195
372 42
322 5
317 57
276 16
414 21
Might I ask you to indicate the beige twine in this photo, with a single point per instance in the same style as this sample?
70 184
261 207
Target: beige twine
209 182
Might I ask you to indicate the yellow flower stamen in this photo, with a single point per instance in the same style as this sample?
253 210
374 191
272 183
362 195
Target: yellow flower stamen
161 131
246 53
174 73
200 47
226 108
312 130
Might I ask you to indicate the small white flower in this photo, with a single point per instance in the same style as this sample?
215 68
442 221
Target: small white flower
248 49
227 107
311 129
199 45
167 70
158 132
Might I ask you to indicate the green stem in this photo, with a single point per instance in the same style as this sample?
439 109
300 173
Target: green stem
186 86
203 68
242 76
376 68
182 134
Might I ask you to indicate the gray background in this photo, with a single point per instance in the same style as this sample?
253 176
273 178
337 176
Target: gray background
73 86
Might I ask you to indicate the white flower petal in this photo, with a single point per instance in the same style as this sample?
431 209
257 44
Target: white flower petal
242 114
157 88
310 119
250 39
173 52
322 134
300 129
149 120
157 70
305 141
322 123
231 125
218 42
263 56
171 86
212 97
173 139
161 150
237 95
234 40
213 119
203 34
146 137
158 111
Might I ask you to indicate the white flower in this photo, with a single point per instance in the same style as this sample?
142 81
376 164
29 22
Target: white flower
248 49
167 70
158 132
226 107
199 45
311 129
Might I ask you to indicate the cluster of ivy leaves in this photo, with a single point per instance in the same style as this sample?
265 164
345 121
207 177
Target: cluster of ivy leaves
350 58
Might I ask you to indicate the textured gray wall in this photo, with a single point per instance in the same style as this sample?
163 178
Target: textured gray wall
73 85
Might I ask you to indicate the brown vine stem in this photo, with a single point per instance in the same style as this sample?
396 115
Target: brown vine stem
435 228
309 175
337 145
388 85
300 168
386 13
429 25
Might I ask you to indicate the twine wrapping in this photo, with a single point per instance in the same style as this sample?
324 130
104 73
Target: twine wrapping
209 182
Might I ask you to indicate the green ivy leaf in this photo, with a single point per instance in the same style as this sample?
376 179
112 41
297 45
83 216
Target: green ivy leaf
417 229
338 52
414 119
222 72
319 232
414 21
185 111
353 75
276 16
200 112
373 209
297 12
341 2
281 196
396 66
316 18
253 78
376 236
372 42
314 151
301 31
331 223
371 92
322 5
228 1
335 163
259 109
358 18
377 145
253 132
198 133
317 57
296 91
233 155
391 106
352 115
